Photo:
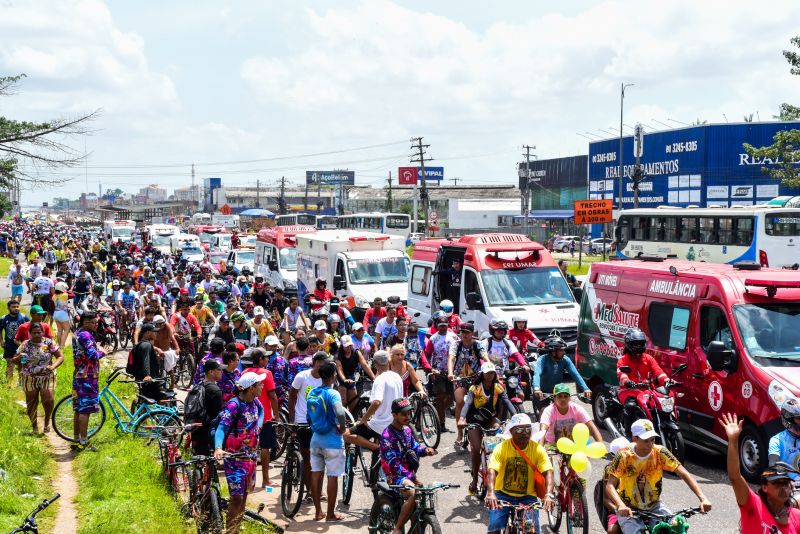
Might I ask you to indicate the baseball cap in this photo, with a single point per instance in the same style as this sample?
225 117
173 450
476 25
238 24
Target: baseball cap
643 429
271 340
37 309
774 472
150 288
258 310
357 326
147 327
320 356
488 367
184 291
159 319
467 327
561 388
381 357
248 379
239 348
320 325
519 419
401 405
346 341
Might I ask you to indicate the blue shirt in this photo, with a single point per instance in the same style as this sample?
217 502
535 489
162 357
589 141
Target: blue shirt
330 439
548 373
787 448
9 325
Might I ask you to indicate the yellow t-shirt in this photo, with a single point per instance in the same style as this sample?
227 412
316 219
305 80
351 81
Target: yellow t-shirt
640 478
263 329
202 314
514 475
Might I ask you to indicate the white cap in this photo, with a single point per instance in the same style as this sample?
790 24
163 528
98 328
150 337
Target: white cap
248 379
357 326
346 341
271 340
618 444
519 419
258 310
159 319
488 367
320 325
643 429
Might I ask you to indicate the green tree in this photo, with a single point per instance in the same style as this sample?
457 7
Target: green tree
5 206
784 152
29 148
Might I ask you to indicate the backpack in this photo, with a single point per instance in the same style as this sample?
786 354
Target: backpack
318 411
195 405
129 367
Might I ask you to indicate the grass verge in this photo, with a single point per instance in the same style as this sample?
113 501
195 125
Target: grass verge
27 464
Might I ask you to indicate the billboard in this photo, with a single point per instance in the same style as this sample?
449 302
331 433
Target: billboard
407 175
695 165
213 183
330 177
557 172
432 174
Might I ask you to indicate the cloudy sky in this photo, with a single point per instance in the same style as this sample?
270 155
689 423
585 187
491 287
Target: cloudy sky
253 90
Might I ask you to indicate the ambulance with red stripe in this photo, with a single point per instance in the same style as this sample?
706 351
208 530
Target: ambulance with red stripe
276 256
737 327
501 276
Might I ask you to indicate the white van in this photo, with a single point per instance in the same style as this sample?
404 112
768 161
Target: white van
160 235
276 256
119 230
358 266
189 245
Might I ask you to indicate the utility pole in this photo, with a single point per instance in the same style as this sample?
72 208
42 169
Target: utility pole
191 191
305 199
638 175
455 181
282 197
420 158
621 104
526 192
319 193
258 193
389 194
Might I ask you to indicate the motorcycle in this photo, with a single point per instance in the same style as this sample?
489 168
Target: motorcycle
514 384
656 404
106 333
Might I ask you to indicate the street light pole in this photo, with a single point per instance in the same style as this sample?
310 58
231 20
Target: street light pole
621 107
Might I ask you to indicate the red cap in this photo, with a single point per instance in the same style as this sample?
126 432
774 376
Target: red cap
240 348
184 291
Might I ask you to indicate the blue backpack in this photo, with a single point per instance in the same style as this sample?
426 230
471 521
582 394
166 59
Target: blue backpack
321 419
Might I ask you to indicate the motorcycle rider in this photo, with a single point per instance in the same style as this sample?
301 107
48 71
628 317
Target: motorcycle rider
785 446
550 368
321 294
454 321
520 334
643 368
502 351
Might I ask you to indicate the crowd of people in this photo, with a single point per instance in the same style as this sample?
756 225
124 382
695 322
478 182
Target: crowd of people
265 352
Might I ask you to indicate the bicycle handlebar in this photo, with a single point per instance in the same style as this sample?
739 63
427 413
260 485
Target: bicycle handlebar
426 489
688 512
30 521
199 459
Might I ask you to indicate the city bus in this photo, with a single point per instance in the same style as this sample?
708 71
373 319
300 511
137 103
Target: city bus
769 235
320 222
384 223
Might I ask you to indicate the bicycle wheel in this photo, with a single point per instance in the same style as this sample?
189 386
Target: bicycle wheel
577 509
211 520
63 417
154 418
554 515
429 524
292 484
481 486
280 436
383 515
186 370
349 477
427 424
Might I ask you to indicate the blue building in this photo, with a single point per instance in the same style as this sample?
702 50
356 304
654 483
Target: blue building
698 165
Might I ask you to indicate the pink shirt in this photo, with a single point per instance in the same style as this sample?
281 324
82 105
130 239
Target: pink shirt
560 426
757 519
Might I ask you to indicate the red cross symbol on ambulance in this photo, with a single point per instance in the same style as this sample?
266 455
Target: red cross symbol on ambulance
715 395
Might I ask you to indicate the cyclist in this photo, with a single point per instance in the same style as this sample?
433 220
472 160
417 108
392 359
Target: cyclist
785 446
145 364
216 349
202 313
217 307
519 472
634 481
267 440
293 316
326 341
373 315
437 350
481 406
464 360
386 327
398 364
520 334
400 455
95 300
186 328
126 305
238 429
362 341
262 327
551 366
222 330
559 418
770 509
348 361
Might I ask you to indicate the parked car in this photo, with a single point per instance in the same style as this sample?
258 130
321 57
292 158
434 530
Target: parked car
596 246
561 243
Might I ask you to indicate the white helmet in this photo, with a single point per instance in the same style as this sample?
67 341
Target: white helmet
62 286
446 306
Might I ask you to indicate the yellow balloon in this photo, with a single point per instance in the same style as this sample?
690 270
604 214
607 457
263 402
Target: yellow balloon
596 450
579 461
565 445
580 434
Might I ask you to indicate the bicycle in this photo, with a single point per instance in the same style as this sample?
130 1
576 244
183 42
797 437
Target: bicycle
126 326
280 434
388 501
570 500
29 525
489 441
185 366
169 449
675 523
523 519
425 420
355 461
292 486
148 414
